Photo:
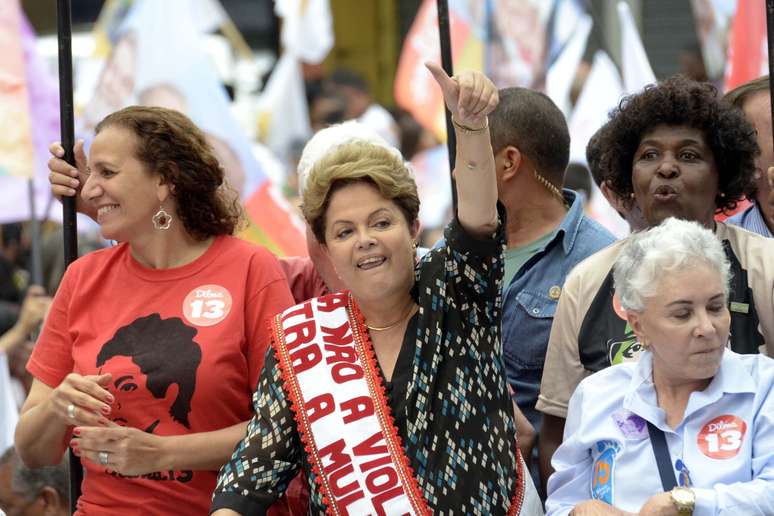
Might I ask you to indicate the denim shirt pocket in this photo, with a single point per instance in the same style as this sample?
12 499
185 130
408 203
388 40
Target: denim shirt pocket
526 333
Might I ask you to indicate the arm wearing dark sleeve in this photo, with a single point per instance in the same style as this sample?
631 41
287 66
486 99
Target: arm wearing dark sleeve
474 272
269 456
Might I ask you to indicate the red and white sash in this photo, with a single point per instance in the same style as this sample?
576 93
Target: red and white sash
330 375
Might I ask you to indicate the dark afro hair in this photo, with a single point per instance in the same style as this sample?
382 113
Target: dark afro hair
679 101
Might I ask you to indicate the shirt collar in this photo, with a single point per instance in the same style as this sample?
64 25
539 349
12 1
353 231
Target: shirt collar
570 225
756 222
732 377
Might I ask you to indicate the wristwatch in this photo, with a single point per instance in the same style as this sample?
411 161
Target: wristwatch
684 500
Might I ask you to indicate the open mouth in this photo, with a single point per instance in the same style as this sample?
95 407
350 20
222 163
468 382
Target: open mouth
371 262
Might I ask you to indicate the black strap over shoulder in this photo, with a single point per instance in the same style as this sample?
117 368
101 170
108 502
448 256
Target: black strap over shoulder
663 459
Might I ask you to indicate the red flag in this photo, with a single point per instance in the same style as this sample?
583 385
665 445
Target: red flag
747 49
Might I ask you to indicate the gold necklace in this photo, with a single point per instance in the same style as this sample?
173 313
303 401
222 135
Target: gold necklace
383 328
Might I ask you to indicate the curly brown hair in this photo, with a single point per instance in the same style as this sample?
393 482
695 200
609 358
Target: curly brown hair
171 145
355 162
679 101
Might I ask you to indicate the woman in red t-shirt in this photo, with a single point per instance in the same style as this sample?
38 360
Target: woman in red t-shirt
151 350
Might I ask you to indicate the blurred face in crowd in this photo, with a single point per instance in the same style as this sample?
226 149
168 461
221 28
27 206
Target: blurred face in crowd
369 242
757 109
674 175
771 196
685 325
12 503
125 193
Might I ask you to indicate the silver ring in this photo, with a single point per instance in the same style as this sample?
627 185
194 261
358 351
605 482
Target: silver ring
103 457
71 411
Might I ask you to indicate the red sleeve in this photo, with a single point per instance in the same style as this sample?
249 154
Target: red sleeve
274 297
52 357
303 279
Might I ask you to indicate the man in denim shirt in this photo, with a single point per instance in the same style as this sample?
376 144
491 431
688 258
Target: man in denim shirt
546 229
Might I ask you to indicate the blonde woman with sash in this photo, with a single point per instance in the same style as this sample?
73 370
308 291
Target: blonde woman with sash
391 396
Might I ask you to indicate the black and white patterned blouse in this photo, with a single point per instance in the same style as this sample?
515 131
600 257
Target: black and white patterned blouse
448 396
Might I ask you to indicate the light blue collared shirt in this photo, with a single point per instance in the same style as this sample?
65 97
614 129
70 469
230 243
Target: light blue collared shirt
751 219
726 440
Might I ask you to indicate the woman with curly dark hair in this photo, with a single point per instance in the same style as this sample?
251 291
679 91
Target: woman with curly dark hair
672 150
151 349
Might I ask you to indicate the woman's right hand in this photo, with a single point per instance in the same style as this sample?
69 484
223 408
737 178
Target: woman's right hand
90 401
66 180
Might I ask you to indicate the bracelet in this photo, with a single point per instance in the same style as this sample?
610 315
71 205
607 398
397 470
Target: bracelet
470 130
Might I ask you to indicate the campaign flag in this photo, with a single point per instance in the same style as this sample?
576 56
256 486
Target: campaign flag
713 20
16 137
29 102
415 89
506 39
636 69
600 94
307 36
559 77
159 60
747 50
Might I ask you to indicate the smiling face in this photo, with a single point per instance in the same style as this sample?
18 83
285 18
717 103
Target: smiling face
686 324
125 193
674 175
369 242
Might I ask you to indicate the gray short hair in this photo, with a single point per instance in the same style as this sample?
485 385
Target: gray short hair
29 482
674 245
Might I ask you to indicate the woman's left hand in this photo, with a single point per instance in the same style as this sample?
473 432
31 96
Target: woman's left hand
129 451
659 505
469 95
597 508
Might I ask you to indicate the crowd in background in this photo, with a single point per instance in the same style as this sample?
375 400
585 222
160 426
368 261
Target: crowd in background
343 95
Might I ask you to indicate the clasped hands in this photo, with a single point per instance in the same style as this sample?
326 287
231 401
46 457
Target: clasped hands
657 505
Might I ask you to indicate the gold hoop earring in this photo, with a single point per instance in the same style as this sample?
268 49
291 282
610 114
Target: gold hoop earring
162 220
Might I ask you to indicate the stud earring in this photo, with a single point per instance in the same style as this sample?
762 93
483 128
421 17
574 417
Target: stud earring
162 220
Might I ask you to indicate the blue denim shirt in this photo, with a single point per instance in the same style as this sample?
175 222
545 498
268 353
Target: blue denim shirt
529 301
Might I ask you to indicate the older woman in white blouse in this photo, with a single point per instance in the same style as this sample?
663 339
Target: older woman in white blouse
706 412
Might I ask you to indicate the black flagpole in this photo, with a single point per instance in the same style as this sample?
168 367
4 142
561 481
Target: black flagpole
770 38
446 64
67 128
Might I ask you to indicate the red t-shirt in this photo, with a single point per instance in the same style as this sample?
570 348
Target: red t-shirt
185 347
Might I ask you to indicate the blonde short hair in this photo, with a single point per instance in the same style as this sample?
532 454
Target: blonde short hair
355 162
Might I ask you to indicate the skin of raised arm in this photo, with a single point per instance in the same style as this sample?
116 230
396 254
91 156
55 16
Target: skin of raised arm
470 97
